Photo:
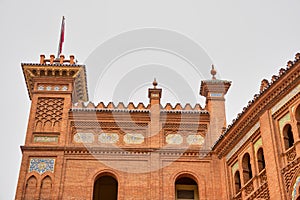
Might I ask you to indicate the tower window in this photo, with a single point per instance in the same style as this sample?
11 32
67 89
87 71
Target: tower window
261 159
247 171
288 136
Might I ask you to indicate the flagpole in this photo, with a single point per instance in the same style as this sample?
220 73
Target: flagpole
61 37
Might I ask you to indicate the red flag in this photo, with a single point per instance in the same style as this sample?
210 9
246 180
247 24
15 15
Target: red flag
62 37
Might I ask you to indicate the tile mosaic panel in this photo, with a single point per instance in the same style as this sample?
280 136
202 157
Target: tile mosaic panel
109 138
216 94
133 138
41 165
174 139
285 99
243 140
286 118
84 137
45 139
42 87
235 167
294 193
257 144
194 139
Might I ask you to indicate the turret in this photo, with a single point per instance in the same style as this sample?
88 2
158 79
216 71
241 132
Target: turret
214 90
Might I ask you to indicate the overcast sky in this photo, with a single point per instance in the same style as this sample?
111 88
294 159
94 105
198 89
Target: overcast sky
246 40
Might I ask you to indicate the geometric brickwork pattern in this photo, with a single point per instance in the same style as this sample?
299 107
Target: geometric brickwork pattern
289 172
41 165
48 113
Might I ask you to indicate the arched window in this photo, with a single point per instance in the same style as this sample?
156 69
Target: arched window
237 182
105 187
186 189
260 159
46 187
30 188
288 136
247 171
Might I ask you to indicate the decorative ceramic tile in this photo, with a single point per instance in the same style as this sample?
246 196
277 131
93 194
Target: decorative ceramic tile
64 88
285 99
133 138
45 139
243 140
174 139
257 144
41 165
286 118
294 193
108 138
41 87
56 88
216 94
195 139
52 87
84 137
235 167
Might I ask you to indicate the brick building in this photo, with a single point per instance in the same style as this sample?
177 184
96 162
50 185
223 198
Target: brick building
75 149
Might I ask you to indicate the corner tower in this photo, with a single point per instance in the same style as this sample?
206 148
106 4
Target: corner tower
214 90
53 85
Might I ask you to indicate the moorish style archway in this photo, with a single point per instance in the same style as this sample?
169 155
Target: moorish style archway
105 188
186 188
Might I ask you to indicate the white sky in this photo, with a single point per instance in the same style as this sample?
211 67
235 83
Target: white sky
246 40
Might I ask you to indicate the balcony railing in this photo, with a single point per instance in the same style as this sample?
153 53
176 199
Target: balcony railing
253 187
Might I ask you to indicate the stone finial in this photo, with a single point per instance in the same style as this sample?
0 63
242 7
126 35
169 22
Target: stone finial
154 83
42 59
274 78
289 64
72 57
213 72
281 71
264 84
52 57
297 56
61 59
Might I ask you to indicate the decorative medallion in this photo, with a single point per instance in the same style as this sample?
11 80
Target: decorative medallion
48 88
109 138
41 165
195 139
133 138
84 137
174 139
45 139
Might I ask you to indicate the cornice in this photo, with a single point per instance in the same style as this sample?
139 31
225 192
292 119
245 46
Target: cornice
268 96
74 71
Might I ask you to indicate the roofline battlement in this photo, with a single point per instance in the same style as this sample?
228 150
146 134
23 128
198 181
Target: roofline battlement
60 60
168 108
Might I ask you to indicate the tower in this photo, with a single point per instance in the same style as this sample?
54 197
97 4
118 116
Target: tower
214 90
53 85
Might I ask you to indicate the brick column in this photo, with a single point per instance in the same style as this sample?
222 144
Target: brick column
271 151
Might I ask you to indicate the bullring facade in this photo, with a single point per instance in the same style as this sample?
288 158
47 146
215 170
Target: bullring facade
75 149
